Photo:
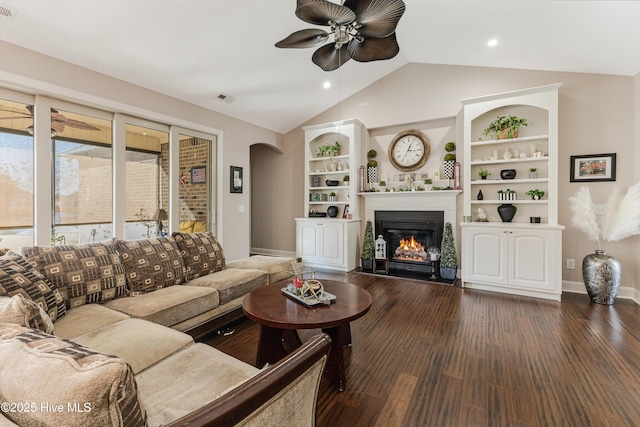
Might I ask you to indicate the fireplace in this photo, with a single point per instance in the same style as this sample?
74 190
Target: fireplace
409 236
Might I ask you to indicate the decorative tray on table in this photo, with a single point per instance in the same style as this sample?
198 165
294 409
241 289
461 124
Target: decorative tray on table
311 301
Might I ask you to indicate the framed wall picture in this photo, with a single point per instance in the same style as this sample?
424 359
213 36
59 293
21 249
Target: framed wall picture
199 175
235 179
593 167
347 212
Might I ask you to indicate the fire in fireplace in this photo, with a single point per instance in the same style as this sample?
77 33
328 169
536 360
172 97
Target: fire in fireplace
410 250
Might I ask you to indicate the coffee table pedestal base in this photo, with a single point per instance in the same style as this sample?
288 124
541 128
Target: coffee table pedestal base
271 349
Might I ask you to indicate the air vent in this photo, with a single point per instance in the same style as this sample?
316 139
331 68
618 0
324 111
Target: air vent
226 98
7 12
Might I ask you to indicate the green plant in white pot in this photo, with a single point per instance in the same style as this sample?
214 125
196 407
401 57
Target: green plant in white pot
368 248
448 257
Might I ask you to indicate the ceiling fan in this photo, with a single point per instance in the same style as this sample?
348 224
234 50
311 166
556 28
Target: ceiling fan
363 30
58 121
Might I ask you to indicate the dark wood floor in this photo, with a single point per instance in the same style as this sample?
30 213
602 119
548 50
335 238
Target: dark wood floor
437 355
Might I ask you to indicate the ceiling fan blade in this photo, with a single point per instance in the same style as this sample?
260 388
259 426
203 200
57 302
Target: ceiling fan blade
59 118
304 38
379 18
15 117
320 12
373 49
329 58
57 126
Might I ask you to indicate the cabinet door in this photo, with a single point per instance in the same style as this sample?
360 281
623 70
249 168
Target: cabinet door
486 255
532 259
309 241
332 243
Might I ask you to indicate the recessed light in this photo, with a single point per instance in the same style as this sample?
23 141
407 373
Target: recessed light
492 42
326 85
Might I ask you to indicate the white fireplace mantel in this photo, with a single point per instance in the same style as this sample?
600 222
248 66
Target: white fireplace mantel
440 200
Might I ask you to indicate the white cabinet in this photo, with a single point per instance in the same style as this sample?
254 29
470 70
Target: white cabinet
513 259
328 243
517 257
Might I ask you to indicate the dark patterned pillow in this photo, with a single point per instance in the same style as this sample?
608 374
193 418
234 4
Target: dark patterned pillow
85 273
17 309
151 264
201 252
17 276
94 388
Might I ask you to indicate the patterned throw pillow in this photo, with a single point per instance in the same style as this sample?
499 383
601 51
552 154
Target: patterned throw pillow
201 252
17 276
85 273
87 387
151 264
17 309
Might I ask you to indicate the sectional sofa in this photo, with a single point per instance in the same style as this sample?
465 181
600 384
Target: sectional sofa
106 334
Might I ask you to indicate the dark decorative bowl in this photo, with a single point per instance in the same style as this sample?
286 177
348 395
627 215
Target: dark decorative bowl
332 183
508 173
332 211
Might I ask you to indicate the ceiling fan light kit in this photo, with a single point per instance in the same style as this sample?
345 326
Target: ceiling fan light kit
363 30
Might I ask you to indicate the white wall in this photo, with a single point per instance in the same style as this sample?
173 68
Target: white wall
38 74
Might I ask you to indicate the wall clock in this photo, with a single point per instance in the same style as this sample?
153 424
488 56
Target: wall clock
409 150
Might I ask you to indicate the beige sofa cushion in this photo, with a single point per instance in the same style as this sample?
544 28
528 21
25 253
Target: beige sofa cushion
86 318
277 267
24 312
168 306
137 341
18 276
40 368
201 252
151 264
199 374
232 282
85 273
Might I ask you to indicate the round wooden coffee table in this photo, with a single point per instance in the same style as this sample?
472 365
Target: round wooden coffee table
280 317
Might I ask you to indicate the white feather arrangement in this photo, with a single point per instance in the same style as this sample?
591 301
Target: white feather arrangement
584 215
621 218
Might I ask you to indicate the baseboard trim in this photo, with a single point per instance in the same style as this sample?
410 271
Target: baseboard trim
272 252
626 292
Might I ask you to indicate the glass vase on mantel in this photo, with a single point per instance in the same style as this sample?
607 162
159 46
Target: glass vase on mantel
602 274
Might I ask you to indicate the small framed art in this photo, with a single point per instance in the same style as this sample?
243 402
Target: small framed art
235 179
199 175
593 167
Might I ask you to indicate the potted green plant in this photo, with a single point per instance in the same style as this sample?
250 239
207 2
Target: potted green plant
332 196
533 173
329 150
483 173
535 194
428 184
505 127
448 257
368 248
345 180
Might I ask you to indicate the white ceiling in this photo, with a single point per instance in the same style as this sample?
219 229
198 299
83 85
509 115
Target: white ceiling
195 50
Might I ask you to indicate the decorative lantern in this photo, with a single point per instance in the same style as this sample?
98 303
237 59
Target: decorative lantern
381 248
456 176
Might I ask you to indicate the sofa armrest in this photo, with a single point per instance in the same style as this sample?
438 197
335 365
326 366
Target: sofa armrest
282 394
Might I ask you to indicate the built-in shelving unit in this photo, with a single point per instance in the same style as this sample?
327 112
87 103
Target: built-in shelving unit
324 241
518 257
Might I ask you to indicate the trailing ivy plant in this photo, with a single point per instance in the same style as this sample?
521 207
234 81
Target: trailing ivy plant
510 123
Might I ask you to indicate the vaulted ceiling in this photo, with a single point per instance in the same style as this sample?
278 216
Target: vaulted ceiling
196 50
